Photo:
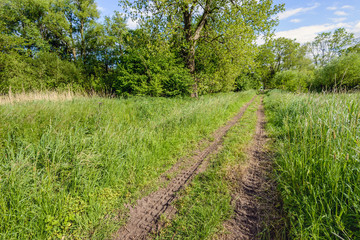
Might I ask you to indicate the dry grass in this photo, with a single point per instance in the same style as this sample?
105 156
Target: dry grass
11 98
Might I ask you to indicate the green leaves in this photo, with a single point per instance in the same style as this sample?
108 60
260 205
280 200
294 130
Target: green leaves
328 45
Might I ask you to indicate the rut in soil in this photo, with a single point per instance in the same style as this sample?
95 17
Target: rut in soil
144 216
255 200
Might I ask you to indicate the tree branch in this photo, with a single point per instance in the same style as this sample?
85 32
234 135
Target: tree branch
202 22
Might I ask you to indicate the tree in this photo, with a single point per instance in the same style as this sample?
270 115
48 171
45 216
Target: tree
67 24
281 54
195 21
328 46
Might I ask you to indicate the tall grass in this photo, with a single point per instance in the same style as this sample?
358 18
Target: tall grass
12 98
318 162
67 167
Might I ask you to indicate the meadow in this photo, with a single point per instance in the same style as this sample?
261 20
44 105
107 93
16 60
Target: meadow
317 145
68 167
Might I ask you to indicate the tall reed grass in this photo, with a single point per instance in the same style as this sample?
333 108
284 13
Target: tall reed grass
68 167
318 162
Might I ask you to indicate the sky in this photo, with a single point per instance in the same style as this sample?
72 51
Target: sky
301 20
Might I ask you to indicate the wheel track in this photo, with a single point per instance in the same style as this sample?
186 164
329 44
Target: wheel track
256 198
145 215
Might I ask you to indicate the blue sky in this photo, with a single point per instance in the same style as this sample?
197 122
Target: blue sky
302 20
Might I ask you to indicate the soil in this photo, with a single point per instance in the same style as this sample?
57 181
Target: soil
144 217
257 205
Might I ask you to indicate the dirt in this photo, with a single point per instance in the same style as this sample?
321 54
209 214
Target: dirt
255 200
144 217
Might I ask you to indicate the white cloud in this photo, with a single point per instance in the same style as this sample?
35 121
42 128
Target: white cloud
292 12
337 20
356 29
308 33
132 24
295 20
340 13
347 7
100 9
331 8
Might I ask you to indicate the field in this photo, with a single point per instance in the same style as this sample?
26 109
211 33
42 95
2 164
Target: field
80 167
68 167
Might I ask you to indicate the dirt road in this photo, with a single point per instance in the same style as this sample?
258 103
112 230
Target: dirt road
144 216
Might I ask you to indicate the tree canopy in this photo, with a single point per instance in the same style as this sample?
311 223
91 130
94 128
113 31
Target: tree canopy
183 47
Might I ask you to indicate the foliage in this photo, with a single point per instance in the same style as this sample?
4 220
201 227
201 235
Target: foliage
341 73
281 54
208 35
248 81
148 67
292 80
317 145
43 71
327 46
180 39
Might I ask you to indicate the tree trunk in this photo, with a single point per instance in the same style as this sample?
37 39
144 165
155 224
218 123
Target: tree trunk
191 66
74 53
192 37
82 39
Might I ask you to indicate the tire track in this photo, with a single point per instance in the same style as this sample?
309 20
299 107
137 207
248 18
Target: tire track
145 215
256 198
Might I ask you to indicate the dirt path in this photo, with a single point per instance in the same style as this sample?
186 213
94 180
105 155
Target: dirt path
255 198
145 215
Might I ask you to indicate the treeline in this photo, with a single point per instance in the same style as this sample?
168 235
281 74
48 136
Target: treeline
179 48
331 62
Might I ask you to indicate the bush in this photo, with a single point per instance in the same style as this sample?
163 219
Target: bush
154 74
343 72
44 71
292 80
247 81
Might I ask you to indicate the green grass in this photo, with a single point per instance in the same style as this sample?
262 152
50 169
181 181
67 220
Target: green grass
67 168
318 162
205 204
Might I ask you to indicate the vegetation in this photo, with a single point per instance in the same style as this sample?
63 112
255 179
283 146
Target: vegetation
178 49
66 166
317 145
69 167
328 63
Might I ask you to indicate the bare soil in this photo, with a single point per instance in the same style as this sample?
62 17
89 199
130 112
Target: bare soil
255 200
145 215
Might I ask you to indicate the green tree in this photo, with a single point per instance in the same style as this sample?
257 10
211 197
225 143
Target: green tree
328 46
192 21
281 54
342 72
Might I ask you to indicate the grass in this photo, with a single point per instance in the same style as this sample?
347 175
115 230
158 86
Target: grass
12 98
318 162
206 203
68 167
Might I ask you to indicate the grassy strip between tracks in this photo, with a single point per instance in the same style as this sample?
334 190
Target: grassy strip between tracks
205 204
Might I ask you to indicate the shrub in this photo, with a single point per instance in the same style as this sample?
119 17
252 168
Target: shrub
247 81
343 72
154 74
292 80
44 71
